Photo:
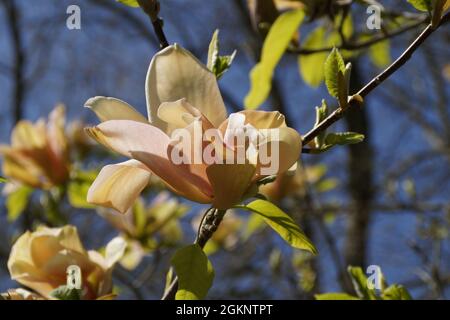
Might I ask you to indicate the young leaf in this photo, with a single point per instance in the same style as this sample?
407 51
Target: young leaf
359 281
281 223
421 5
396 292
335 296
312 65
380 54
131 3
334 65
78 188
213 52
344 138
194 271
77 193
17 202
218 64
277 40
3 180
321 114
65 293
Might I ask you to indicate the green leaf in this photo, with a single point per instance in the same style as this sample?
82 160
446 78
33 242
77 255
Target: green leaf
281 223
3 180
421 5
194 271
343 138
334 66
65 293
396 292
17 201
380 54
213 52
276 43
77 193
78 188
335 296
359 281
131 3
218 64
254 223
312 65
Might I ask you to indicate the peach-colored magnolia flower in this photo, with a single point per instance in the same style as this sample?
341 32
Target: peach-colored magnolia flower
20 294
180 93
39 261
38 154
146 228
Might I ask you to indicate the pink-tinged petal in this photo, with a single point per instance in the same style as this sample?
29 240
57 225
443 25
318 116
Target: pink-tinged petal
175 74
259 119
230 183
117 186
150 146
280 151
177 114
113 109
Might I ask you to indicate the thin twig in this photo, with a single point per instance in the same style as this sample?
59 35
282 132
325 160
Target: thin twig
151 8
360 45
209 224
375 82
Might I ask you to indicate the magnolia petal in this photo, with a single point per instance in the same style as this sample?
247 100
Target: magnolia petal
177 114
150 146
115 249
107 108
56 132
18 167
117 186
230 182
25 135
289 145
174 74
259 119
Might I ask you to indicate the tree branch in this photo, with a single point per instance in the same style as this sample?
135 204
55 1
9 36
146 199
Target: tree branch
375 82
362 44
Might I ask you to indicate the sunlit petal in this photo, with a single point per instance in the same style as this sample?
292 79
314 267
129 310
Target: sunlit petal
230 182
117 186
175 74
113 109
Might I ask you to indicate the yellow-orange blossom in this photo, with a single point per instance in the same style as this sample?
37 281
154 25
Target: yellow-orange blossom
180 90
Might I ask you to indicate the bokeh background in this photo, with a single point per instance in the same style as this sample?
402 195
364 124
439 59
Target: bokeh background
389 193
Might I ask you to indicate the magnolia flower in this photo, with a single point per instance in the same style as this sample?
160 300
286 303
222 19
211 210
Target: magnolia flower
39 261
146 228
182 94
19 294
38 154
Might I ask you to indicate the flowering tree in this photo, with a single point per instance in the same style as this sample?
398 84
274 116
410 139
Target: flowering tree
249 160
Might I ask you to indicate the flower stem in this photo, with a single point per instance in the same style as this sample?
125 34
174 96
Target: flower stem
209 224
151 8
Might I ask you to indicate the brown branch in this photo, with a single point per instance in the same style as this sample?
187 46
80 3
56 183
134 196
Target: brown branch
375 82
13 18
209 224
